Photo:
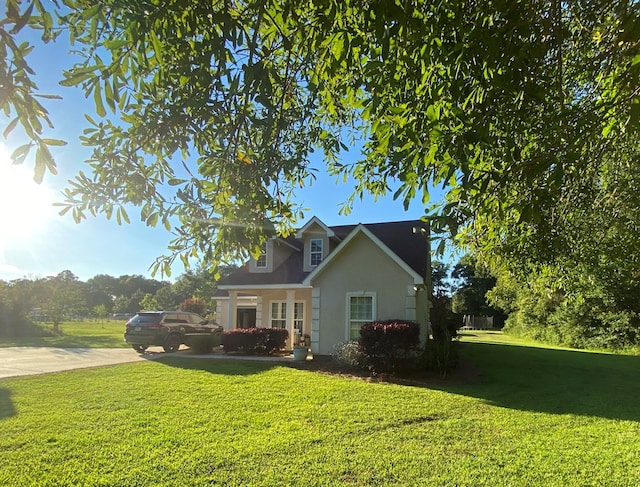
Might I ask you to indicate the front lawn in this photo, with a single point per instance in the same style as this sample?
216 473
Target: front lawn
75 334
526 416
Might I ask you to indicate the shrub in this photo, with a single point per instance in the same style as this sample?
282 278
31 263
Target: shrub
440 354
390 346
255 340
349 354
384 337
203 343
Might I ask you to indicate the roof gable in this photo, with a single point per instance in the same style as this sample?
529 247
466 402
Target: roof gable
408 248
363 229
315 221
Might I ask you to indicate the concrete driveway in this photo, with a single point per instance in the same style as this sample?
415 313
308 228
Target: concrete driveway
17 361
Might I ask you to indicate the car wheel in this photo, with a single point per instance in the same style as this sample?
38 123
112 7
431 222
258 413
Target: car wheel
172 344
139 348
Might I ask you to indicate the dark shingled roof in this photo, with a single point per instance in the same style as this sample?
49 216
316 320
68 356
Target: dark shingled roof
399 237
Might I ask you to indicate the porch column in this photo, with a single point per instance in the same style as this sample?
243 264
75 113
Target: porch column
291 297
315 320
233 310
259 323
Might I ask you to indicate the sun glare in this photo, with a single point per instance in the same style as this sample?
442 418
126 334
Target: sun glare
25 206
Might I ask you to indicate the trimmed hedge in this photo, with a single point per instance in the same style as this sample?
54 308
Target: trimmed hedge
383 337
255 340
390 346
203 343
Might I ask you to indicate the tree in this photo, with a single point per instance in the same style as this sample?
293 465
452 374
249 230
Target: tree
473 282
442 316
102 290
15 303
61 297
511 105
167 298
149 302
100 312
195 305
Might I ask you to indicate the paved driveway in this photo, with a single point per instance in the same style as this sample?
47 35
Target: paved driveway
16 361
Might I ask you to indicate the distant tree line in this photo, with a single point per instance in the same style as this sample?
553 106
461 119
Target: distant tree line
461 290
63 297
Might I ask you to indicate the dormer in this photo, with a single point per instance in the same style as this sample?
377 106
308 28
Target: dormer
272 253
315 236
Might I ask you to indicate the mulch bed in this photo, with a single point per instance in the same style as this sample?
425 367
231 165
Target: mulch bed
464 373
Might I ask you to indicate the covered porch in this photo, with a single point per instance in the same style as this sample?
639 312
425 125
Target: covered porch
267 307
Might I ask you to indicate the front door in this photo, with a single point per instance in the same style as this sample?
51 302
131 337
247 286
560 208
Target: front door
246 317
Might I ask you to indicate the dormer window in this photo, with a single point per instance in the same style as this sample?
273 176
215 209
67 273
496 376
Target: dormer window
316 251
261 261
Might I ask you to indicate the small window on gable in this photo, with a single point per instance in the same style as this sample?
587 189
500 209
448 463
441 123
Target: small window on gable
316 251
261 261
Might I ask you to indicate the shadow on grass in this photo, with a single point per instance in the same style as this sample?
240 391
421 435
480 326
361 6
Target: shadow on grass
225 366
553 381
7 408
510 376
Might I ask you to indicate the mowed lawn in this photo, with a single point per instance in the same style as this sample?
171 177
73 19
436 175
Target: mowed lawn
524 415
76 334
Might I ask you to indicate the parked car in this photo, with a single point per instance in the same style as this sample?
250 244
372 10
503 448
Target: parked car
169 329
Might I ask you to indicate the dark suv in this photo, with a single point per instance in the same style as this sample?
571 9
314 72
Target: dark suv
169 329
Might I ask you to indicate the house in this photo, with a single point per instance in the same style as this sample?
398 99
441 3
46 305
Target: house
326 281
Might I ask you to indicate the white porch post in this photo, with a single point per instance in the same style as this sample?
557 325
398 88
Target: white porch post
315 320
233 313
291 296
259 312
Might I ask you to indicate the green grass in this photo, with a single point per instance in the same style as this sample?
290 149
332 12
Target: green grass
532 416
75 334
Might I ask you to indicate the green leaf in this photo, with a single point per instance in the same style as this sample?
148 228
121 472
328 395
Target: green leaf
23 20
47 21
91 12
20 154
115 44
40 166
97 98
10 127
108 95
64 210
55 142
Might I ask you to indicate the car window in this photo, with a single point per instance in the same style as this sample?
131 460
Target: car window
144 319
171 318
195 319
176 318
183 318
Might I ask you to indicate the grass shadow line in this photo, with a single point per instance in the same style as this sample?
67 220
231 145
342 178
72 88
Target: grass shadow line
554 381
7 408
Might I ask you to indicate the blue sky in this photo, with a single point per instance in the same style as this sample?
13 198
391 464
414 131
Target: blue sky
35 241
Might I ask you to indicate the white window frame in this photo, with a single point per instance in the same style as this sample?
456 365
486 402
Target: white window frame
281 314
315 253
359 294
298 321
263 255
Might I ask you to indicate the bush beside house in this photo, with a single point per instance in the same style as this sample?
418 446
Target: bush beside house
262 341
390 346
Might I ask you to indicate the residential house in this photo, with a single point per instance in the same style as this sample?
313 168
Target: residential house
326 281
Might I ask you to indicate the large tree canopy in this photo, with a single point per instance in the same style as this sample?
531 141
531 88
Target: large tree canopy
518 108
